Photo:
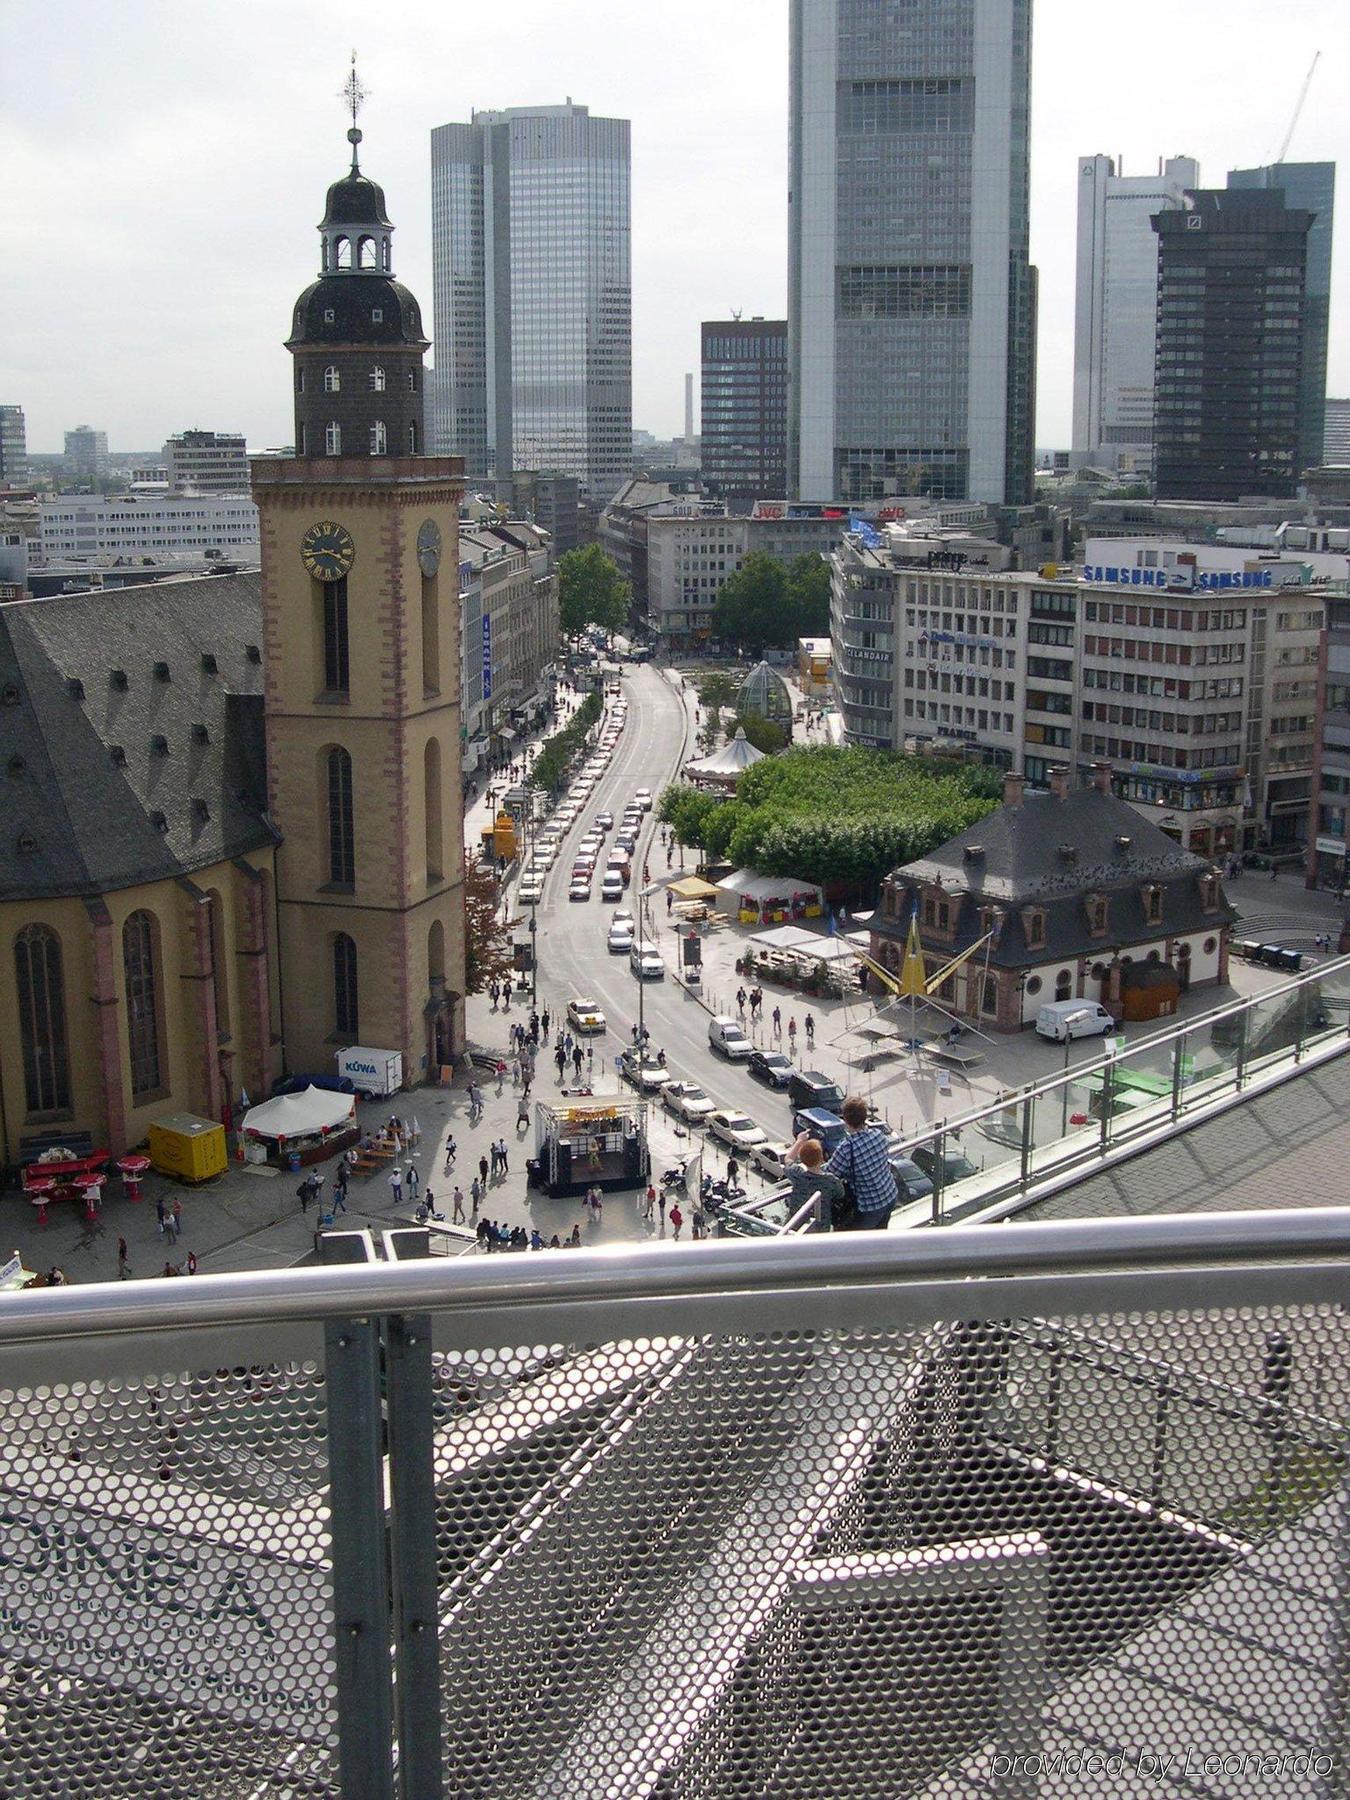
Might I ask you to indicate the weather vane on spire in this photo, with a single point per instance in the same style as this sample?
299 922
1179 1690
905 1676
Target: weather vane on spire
354 97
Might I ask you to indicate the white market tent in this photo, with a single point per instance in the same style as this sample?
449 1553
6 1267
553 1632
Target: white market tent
761 891
304 1114
788 937
727 764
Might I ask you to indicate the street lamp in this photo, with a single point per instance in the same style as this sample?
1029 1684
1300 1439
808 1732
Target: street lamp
644 894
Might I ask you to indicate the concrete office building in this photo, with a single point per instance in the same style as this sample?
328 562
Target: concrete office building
1311 188
1228 371
206 462
690 556
86 456
93 526
1201 696
744 429
550 500
1326 865
1115 307
1336 434
533 294
911 299
13 447
508 590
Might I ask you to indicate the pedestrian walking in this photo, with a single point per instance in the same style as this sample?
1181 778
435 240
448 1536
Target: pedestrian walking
457 1206
501 1078
123 1265
676 1219
792 1033
545 1019
698 1224
522 1114
809 1026
740 1001
670 898
192 1262
451 1151
412 1179
560 1057
476 1195
492 992
339 1196
176 1208
777 1021
396 1183
501 1155
171 1226
576 1061
161 1213
649 1202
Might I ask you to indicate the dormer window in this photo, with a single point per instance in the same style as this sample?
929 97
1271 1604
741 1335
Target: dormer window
1033 924
329 315
377 315
1096 914
162 672
200 735
159 746
1152 897
1209 892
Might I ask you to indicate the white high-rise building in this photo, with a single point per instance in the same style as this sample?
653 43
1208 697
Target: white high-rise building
911 299
1115 309
533 295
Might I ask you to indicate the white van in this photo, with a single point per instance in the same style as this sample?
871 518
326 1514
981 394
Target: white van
727 1039
1060 1020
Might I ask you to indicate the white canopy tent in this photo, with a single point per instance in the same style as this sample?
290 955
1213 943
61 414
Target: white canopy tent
767 892
813 945
305 1114
727 765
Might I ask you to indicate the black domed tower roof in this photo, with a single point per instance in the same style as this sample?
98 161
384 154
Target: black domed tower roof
356 335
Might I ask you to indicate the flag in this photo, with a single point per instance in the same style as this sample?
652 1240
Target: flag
913 981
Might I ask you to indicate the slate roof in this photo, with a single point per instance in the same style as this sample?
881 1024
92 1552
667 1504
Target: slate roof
352 296
1053 851
87 764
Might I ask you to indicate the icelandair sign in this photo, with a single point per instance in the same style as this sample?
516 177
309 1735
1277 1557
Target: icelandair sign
1178 580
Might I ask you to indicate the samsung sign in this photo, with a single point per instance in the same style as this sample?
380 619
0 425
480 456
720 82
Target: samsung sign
1178 581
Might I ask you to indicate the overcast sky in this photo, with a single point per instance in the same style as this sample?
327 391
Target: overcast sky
165 164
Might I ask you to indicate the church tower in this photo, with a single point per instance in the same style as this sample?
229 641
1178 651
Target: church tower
360 596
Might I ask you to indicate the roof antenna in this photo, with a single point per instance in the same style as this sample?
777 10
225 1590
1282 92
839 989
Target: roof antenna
354 97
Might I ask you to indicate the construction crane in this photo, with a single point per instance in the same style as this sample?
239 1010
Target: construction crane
1298 106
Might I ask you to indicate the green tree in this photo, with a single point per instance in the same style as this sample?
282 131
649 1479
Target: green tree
488 953
764 734
718 689
808 596
591 591
687 809
750 608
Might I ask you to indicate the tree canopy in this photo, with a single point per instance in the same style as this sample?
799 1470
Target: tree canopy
831 814
550 767
766 603
591 591
488 952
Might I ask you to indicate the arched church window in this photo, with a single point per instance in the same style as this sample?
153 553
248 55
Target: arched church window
378 438
332 380
42 1019
367 254
140 969
346 1012
377 380
332 438
342 253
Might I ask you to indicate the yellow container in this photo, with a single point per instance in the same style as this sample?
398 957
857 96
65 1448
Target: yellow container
192 1149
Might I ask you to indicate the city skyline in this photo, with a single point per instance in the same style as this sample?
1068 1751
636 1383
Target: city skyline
210 150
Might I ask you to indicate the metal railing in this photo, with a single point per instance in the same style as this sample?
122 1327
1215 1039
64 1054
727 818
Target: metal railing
1002 1155
824 1516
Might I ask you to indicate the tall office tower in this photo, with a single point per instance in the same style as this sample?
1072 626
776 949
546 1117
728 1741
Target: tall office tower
1336 436
86 454
1307 187
744 416
533 294
1230 345
911 300
13 447
1115 307
206 462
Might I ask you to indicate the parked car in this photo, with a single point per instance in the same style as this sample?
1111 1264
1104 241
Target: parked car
624 916
955 1165
687 1099
1060 1020
605 820
646 963
620 939
770 1160
642 1072
808 1087
531 890
727 1039
827 1128
580 888
736 1129
585 1016
644 799
611 888
910 1181
771 1067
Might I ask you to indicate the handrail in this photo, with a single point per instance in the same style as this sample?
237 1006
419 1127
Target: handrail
637 1272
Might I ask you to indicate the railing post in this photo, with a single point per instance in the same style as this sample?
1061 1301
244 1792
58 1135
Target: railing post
1108 1072
360 1572
1178 1066
1027 1105
412 1554
1240 1060
939 1153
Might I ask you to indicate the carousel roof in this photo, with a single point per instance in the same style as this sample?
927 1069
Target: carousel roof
732 759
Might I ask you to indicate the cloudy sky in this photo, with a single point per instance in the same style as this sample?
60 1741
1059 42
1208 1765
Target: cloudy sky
164 166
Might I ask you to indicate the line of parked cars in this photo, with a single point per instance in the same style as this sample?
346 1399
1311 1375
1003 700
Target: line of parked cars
551 835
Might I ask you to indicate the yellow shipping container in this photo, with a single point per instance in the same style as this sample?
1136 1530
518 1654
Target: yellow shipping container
192 1149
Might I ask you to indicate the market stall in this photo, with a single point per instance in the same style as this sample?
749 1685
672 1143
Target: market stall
769 899
793 957
295 1129
596 1140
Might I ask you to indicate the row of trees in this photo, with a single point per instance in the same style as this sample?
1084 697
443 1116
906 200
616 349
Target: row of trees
765 604
561 750
829 814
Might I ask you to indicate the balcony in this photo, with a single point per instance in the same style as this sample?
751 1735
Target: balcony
841 1517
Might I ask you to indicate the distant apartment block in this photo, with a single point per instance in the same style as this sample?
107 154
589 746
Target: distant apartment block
206 462
1336 435
13 447
94 527
86 454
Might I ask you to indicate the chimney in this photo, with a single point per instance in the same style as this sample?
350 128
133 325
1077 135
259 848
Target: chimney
1059 781
1013 788
1101 777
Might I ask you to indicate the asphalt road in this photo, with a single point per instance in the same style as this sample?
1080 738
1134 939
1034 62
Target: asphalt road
573 956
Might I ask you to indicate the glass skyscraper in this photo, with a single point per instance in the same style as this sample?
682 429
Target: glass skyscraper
1307 187
744 420
911 299
533 294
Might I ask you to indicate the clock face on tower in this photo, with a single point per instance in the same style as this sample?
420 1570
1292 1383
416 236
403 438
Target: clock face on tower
327 551
429 548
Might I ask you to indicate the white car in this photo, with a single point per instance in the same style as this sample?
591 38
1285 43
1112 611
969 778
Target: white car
644 1072
585 1015
531 890
624 916
620 939
579 890
770 1160
687 1099
735 1129
644 799
611 888
646 964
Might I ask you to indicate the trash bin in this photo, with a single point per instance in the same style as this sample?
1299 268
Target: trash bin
293 1161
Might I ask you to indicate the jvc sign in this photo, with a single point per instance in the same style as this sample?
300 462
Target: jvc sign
1210 580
